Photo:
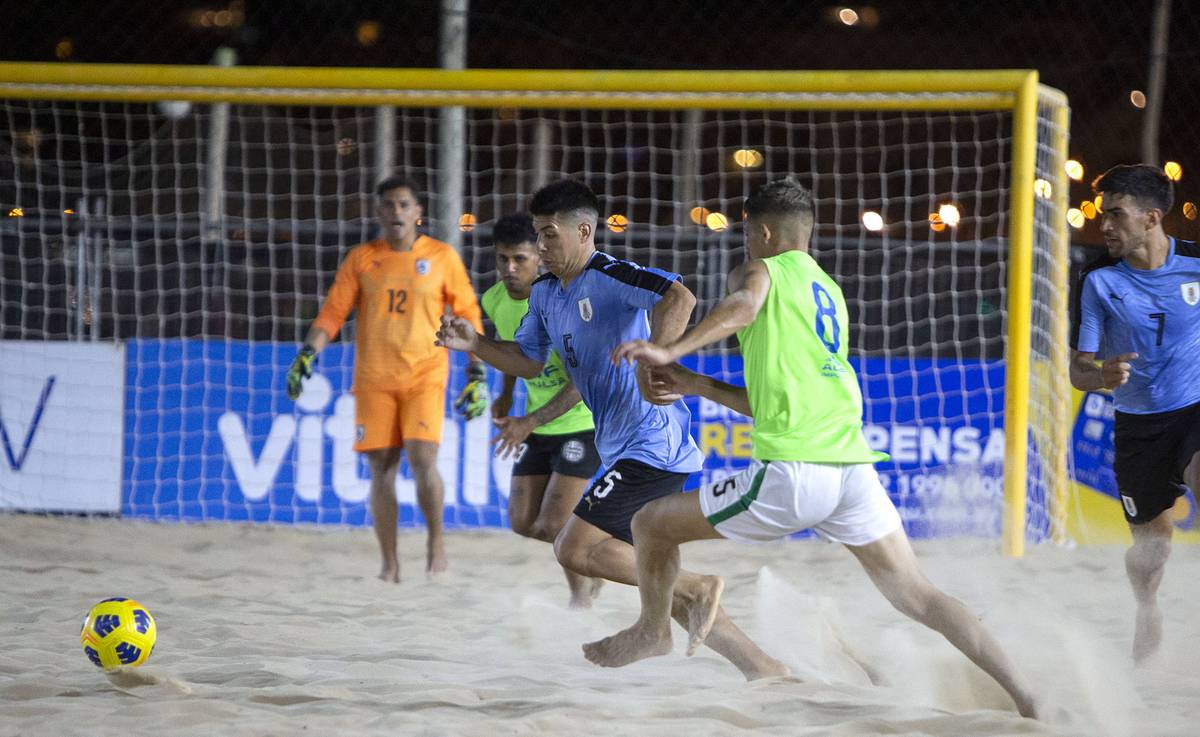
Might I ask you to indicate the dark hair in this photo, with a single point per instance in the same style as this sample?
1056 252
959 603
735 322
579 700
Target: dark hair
782 197
565 196
396 182
1144 183
513 230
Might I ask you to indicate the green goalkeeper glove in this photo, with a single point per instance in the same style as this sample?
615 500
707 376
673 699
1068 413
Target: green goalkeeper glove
472 401
301 369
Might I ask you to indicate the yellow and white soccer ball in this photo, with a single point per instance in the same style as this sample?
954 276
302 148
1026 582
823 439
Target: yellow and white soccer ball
118 632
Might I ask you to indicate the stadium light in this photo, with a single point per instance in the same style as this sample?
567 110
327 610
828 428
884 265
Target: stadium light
872 221
716 221
748 158
1042 188
699 215
1099 203
1074 169
848 16
1088 208
16 212
1137 98
1189 210
1075 218
935 222
467 222
367 33
618 223
1173 170
949 214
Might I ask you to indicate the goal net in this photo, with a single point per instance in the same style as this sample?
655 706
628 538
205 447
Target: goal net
169 233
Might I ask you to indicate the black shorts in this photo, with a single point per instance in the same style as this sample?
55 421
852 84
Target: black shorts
573 454
621 491
1151 453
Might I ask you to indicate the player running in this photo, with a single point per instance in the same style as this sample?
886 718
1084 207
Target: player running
812 467
400 286
588 303
1138 309
555 441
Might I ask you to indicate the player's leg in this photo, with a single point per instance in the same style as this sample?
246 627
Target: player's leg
658 530
560 496
431 496
1153 454
893 567
379 438
573 460
525 503
421 417
586 548
385 463
1145 562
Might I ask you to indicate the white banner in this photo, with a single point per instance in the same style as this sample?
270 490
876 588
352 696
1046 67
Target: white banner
61 426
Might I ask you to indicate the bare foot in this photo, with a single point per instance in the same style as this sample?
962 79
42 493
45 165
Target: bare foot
390 572
628 646
702 610
586 595
435 557
1147 635
1027 706
768 668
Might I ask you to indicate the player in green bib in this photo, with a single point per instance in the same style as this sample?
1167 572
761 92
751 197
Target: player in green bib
811 468
554 441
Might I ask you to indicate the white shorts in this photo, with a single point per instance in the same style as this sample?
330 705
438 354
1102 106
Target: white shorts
844 503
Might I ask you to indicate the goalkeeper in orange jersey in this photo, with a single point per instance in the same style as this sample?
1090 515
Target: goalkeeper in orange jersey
400 285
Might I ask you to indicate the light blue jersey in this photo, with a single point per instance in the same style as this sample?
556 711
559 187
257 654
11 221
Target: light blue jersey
604 306
1154 313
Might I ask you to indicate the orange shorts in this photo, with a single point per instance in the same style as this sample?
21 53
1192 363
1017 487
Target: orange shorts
385 419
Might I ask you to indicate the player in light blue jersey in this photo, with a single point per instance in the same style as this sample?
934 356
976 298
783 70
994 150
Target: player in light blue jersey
586 304
1138 309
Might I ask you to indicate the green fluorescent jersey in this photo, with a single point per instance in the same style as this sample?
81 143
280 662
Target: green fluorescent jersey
803 392
506 314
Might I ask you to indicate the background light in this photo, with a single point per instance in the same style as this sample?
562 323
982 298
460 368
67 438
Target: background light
949 214
1189 210
1137 98
716 221
1173 170
1088 209
848 16
1042 188
618 223
935 222
466 222
872 221
1075 217
748 158
699 215
1074 169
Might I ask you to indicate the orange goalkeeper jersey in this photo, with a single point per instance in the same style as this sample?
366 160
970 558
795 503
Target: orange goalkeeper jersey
400 297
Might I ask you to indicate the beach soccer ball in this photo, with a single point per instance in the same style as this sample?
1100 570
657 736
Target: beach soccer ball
118 632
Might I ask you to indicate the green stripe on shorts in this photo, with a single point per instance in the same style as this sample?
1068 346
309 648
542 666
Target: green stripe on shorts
742 504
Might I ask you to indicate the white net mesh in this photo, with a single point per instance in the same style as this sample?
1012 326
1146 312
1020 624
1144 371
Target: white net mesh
119 232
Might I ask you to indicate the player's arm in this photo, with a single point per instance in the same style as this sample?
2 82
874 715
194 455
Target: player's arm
748 284
339 301
458 334
502 404
1086 374
1089 376
675 379
514 430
